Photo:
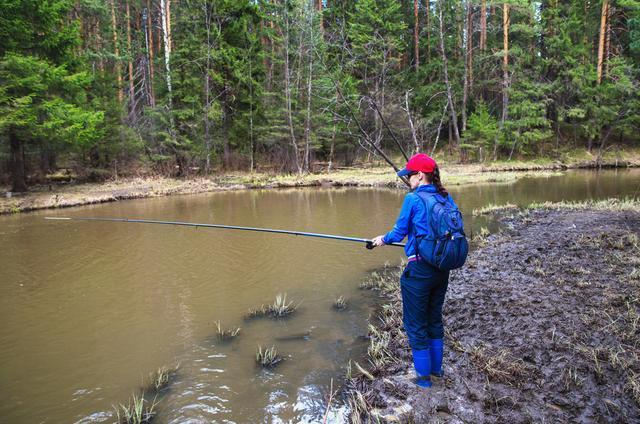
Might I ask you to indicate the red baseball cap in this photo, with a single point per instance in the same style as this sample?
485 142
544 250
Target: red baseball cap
418 162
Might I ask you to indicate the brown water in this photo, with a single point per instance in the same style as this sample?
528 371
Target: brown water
89 309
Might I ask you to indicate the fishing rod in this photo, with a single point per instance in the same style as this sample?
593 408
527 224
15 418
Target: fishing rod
368 243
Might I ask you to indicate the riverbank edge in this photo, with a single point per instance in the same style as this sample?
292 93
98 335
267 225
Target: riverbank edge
388 354
56 195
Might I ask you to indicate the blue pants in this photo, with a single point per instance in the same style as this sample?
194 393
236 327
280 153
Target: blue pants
423 289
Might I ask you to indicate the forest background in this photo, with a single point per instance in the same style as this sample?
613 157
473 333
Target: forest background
101 88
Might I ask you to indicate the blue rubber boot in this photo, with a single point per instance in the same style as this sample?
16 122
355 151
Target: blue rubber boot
436 347
422 364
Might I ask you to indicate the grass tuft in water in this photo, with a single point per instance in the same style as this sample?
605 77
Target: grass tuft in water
268 358
257 312
278 309
340 303
226 334
160 379
137 411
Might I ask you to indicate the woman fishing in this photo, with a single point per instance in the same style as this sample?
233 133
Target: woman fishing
427 211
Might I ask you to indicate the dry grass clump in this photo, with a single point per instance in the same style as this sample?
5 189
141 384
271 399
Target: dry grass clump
609 241
633 386
278 309
257 312
340 303
501 366
491 208
268 358
385 280
571 378
481 236
358 406
137 411
612 204
160 379
226 334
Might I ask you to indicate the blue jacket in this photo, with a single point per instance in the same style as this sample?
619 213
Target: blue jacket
412 220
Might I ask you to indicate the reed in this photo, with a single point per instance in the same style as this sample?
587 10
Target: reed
226 334
160 379
137 411
278 309
268 357
340 303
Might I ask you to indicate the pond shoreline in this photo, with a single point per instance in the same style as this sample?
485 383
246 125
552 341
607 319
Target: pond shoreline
541 325
63 195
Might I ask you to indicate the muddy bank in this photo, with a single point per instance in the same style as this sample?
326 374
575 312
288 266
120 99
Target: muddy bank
542 325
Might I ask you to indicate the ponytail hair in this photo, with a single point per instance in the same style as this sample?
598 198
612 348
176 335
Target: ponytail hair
434 178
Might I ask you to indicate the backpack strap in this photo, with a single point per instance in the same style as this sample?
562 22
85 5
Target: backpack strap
428 202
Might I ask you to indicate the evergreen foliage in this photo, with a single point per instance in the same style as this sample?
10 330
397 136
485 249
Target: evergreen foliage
198 86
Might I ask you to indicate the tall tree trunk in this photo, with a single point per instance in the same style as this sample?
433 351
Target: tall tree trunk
445 68
307 125
287 93
168 6
603 29
207 91
265 44
271 59
607 49
467 66
320 14
16 163
470 19
483 25
116 50
167 65
226 147
428 29
459 16
251 144
149 39
333 132
98 37
505 69
129 56
585 31
416 32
